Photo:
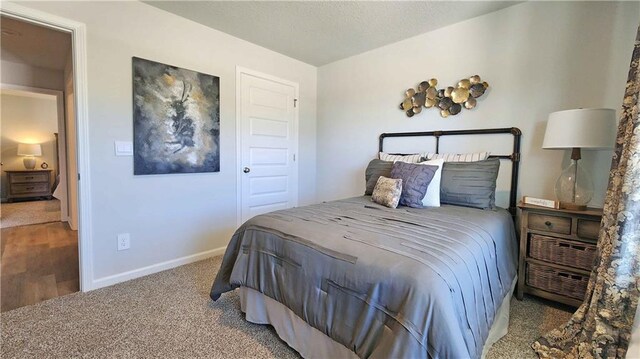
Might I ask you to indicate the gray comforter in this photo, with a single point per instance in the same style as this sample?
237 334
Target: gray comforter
386 283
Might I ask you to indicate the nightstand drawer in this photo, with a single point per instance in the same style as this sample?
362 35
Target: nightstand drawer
588 229
30 178
557 281
23 188
549 223
560 251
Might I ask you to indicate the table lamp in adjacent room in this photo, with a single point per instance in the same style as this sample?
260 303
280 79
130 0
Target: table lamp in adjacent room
29 150
580 129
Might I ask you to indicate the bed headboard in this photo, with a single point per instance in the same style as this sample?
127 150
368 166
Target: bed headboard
514 157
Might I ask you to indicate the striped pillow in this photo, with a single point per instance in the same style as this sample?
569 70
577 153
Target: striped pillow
459 157
415 158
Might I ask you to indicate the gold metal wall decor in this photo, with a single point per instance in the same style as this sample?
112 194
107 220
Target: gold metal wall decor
449 100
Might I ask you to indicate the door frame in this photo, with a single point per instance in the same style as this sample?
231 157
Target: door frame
78 33
296 114
62 131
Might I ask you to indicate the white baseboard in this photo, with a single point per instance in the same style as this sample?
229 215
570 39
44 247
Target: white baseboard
154 268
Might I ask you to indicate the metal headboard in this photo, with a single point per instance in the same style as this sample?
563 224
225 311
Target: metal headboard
514 157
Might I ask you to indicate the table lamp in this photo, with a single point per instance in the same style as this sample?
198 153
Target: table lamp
579 129
29 150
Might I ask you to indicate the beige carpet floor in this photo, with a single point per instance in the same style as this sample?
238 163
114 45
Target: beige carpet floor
31 212
170 315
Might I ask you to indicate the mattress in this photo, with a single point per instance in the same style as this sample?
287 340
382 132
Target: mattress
381 282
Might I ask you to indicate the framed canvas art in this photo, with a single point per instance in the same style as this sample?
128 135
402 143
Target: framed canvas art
176 119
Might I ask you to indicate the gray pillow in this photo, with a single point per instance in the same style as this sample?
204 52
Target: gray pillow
470 184
415 181
375 169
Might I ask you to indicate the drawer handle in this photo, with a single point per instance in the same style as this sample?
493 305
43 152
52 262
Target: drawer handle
30 177
564 245
30 188
548 224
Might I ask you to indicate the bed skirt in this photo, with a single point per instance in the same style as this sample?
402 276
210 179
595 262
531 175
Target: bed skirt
312 343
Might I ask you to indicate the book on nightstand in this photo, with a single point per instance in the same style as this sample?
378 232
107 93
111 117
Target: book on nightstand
548 203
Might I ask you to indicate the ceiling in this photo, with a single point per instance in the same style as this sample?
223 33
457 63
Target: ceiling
34 45
320 32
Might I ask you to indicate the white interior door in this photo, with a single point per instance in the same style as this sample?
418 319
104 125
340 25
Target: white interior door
61 189
268 138
72 154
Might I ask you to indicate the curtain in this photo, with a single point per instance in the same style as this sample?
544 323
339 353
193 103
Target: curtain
601 327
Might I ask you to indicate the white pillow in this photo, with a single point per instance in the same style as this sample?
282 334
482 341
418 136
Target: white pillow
432 197
415 158
459 157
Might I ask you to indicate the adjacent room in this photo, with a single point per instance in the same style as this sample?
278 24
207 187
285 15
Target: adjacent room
320 179
39 230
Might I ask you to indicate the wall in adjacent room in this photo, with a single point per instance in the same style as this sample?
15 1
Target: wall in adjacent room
27 118
174 216
21 74
539 57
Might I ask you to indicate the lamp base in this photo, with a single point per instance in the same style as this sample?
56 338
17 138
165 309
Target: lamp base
29 163
573 206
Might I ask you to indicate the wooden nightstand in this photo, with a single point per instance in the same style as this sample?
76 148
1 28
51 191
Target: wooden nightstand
557 250
28 184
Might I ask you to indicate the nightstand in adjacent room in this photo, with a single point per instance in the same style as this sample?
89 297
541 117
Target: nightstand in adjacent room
557 250
28 184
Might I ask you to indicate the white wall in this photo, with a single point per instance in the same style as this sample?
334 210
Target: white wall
538 57
28 118
168 216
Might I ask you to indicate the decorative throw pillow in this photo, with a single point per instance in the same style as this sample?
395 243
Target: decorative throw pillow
432 197
470 184
415 181
375 169
414 158
387 192
459 157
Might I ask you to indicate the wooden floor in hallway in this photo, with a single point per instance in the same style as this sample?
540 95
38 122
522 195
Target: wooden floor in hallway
37 262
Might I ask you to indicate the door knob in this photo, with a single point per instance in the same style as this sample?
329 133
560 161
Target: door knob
246 170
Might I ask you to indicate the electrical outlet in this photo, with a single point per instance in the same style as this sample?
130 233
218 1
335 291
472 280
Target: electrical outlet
124 241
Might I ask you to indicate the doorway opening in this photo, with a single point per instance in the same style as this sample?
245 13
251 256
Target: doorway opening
39 189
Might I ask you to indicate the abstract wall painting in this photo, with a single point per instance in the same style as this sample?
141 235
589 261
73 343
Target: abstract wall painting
176 119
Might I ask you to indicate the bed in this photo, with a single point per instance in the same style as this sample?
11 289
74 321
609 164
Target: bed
351 278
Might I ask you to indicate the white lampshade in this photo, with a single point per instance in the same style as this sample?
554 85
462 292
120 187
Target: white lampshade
588 128
29 149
